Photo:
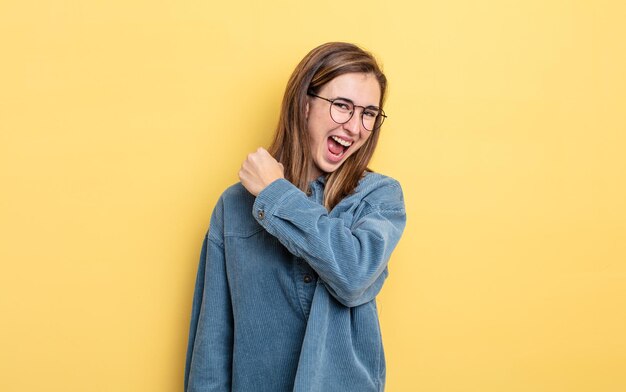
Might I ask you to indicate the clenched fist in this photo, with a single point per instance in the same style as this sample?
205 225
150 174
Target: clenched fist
259 170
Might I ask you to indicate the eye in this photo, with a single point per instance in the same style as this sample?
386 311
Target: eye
370 112
342 105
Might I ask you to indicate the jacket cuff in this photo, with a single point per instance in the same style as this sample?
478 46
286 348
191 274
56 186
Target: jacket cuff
270 198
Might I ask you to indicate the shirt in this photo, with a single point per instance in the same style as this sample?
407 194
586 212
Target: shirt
285 292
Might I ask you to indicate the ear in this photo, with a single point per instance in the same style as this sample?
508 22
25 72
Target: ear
306 110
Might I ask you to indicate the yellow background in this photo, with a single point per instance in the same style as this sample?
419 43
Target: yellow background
121 122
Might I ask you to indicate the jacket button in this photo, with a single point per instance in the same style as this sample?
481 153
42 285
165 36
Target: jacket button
307 278
261 214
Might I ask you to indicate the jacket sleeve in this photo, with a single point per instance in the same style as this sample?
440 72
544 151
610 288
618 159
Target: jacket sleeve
351 259
210 346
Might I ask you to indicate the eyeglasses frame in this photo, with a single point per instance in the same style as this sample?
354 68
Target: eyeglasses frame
332 101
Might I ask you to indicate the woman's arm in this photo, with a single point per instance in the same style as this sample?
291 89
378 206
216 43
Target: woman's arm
351 260
210 347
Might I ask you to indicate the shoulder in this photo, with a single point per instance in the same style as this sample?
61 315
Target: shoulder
374 192
232 215
236 195
379 189
377 180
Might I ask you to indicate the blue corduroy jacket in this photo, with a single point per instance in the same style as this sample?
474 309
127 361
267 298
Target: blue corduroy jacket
285 292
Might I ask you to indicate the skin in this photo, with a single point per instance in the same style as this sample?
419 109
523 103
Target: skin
260 169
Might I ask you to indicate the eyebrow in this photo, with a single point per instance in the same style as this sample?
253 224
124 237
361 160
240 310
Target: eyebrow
352 102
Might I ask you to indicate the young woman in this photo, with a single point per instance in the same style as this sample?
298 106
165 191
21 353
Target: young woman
297 251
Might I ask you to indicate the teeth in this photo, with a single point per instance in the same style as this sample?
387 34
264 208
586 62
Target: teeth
341 141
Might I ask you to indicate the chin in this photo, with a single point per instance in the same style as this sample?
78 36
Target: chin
328 168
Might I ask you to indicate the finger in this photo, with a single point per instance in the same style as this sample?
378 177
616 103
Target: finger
264 153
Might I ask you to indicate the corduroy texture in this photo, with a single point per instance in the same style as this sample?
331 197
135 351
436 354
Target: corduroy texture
285 293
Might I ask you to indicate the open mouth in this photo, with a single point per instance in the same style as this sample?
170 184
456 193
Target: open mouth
337 147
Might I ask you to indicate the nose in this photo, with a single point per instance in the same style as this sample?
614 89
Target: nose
354 124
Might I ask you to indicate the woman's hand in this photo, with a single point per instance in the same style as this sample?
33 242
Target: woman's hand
259 170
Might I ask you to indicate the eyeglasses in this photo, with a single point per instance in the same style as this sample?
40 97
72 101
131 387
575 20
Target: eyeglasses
342 110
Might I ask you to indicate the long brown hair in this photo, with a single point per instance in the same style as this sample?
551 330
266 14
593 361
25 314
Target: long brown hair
291 144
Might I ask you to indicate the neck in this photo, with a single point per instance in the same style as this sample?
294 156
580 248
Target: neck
314 172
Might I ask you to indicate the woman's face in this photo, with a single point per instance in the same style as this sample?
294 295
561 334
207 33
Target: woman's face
332 143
